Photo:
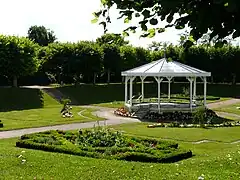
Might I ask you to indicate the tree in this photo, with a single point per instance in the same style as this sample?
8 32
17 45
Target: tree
41 35
111 60
91 56
220 17
111 38
18 57
155 46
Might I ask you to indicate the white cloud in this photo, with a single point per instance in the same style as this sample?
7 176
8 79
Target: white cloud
69 19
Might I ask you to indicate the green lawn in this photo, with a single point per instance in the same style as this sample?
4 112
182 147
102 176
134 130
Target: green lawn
230 109
48 113
183 134
42 117
214 160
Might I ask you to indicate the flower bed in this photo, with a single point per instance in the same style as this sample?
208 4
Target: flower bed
105 143
122 112
179 125
168 117
1 124
183 117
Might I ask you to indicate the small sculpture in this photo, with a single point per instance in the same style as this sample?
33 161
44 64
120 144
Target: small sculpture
66 109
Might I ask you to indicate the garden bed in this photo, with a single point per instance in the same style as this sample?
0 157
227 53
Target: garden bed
179 125
105 143
205 115
122 112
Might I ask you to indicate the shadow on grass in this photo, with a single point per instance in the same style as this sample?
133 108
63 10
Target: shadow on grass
20 99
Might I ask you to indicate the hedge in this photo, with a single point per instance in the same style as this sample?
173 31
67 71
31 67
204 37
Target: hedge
163 152
1 124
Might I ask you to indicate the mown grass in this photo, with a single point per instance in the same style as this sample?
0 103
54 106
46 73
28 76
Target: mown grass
228 134
18 117
43 117
212 160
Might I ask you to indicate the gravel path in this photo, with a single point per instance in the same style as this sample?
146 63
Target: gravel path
226 114
223 103
107 113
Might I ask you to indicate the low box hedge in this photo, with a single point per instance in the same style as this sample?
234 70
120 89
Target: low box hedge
1 124
132 149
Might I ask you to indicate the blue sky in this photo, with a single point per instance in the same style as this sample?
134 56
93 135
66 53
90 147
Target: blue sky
69 19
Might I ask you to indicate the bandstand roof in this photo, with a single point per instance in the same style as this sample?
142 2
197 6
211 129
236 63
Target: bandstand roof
166 68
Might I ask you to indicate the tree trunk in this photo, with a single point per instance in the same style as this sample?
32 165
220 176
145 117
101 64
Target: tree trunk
94 78
212 79
15 84
108 76
233 79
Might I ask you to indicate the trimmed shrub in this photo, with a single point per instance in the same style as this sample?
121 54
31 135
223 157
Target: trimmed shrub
105 143
1 124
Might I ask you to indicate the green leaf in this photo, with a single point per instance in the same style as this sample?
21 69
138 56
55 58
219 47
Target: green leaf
179 27
160 30
146 13
145 35
188 44
104 2
220 43
104 12
169 18
151 33
144 27
97 14
190 38
104 24
93 21
137 15
126 20
153 21
125 34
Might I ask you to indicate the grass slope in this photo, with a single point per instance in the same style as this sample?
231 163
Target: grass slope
20 98
23 115
213 160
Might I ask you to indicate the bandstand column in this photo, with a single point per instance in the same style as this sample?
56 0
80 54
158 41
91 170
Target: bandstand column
126 88
169 87
194 88
205 91
191 82
131 89
142 79
159 80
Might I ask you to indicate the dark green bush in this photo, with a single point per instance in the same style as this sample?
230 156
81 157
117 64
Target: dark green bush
204 115
1 124
105 143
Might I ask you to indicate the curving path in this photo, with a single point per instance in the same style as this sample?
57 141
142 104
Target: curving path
106 113
223 103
